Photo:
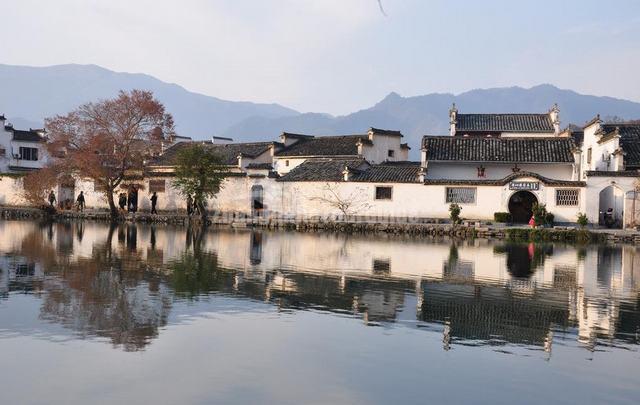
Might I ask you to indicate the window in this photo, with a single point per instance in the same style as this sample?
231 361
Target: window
568 197
157 186
383 193
461 195
589 151
391 153
286 163
28 153
3 152
381 267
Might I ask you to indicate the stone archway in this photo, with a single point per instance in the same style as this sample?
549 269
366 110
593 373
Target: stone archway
521 206
611 203
257 200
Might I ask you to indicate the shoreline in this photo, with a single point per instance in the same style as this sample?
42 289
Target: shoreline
426 227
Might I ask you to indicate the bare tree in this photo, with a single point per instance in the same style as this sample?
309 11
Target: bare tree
108 139
347 203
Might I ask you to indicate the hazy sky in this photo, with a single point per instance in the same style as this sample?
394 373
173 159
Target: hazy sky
336 56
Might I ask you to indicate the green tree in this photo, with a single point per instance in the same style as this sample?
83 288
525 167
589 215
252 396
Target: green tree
200 172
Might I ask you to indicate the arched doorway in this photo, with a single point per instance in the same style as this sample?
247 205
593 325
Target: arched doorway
611 207
521 206
257 200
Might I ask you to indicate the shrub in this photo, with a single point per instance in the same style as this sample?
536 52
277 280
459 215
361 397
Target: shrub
541 216
583 221
454 213
504 217
549 218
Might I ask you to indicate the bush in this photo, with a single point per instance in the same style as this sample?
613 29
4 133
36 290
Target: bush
454 213
541 216
549 218
583 221
504 217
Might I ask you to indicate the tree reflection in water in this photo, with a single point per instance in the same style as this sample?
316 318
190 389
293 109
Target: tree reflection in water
120 282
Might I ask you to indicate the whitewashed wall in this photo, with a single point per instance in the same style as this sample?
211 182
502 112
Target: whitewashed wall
495 171
11 191
378 152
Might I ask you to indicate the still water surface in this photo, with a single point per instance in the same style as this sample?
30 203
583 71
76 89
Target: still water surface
139 314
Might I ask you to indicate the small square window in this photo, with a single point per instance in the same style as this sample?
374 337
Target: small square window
391 153
384 193
460 195
568 197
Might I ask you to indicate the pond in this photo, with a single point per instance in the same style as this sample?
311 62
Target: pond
93 313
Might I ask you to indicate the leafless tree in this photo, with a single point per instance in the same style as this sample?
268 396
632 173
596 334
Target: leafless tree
347 203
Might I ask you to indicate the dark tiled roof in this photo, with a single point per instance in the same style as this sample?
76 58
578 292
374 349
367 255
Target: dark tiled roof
507 150
606 173
405 146
389 173
504 123
388 132
629 140
322 170
26 136
296 136
261 166
505 180
332 170
576 132
345 145
229 152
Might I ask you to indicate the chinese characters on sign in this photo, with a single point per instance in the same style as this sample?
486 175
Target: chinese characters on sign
524 185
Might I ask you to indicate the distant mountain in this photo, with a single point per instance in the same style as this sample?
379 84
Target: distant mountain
429 114
29 94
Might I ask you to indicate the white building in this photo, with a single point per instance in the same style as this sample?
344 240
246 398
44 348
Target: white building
20 150
488 163
611 164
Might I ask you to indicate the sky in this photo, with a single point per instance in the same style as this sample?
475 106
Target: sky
336 56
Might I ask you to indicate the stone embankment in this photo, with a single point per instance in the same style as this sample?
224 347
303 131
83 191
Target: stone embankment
423 227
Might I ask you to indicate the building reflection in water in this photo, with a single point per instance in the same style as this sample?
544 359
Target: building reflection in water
120 282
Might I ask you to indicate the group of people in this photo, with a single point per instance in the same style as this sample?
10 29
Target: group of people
80 202
129 201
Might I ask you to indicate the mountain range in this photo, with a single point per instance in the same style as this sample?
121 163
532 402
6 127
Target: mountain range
29 94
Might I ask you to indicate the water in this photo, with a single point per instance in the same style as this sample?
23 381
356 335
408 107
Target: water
138 314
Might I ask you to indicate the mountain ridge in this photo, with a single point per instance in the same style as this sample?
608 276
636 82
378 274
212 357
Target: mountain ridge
29 94
34 93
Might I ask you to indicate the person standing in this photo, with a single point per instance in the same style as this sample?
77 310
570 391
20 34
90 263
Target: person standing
52 198
122 201
189 205
154 201
80 201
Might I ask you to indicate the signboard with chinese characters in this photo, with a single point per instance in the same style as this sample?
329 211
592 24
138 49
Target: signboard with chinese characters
524 185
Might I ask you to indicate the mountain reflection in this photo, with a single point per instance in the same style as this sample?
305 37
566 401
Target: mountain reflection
120 282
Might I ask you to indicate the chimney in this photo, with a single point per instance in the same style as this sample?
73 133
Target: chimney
554 114
453 119
422 173
577 164
346 174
